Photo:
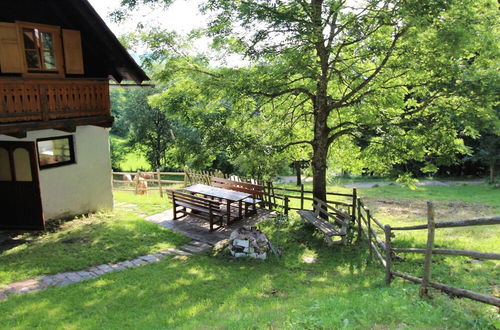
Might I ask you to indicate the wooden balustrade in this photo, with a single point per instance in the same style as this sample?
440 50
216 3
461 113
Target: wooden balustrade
43 100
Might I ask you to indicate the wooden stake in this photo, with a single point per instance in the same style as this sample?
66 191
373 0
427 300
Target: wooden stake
388 251
286 205
137 183
159 182
354 200
428 254
368 218
359 218
302 196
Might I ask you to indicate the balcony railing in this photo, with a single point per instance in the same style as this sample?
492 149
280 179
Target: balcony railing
44 100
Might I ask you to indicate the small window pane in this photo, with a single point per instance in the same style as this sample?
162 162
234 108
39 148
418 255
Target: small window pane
49 60
32 59
5 174
29 39
47 41
22 165
58 151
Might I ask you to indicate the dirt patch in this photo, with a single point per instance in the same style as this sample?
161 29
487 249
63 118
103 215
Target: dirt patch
409 209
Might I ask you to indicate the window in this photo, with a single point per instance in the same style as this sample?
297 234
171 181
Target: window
39 50
54 152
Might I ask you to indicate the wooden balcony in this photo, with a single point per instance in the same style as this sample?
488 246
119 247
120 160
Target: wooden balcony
51 100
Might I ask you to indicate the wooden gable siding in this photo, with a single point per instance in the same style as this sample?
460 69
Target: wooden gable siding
37 100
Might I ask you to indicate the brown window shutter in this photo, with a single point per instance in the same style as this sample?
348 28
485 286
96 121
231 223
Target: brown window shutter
73 57
11 56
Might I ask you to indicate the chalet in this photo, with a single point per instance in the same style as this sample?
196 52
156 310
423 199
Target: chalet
56 60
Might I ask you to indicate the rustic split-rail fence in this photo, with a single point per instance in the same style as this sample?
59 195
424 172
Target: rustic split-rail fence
368 227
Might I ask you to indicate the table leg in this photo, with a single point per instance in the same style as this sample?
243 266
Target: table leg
240 209
228 212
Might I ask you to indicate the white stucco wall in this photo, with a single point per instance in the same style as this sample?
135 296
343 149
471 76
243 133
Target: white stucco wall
77 188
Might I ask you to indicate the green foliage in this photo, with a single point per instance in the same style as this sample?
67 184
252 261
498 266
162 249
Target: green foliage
394 83
118 152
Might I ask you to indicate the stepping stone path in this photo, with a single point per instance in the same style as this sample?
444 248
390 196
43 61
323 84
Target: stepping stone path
66 278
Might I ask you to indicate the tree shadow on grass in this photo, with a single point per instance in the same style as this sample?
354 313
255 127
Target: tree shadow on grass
173 292
209 292
206 292
86 242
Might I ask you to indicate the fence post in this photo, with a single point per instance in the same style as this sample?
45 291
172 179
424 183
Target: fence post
269 195
286 205
301 196
368 218
359 218
354 200
137 183
159 181
388 253
187 179
428 253
274 196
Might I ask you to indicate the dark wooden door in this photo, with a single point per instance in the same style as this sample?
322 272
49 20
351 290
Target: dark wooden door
20 200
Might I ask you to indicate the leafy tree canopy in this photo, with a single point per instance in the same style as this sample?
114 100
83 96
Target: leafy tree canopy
376 82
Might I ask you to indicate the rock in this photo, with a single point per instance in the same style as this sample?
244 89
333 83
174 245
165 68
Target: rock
248 242
241 242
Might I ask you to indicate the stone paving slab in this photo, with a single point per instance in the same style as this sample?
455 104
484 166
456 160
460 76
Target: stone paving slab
195 249
198 229
67 278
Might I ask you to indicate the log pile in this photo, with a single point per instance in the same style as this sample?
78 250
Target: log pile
248 242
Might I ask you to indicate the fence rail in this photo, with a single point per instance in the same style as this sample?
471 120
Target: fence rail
138 182
385 253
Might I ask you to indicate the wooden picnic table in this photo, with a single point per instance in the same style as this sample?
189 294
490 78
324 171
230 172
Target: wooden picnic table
230 196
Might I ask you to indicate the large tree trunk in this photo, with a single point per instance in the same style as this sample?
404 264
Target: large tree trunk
319 170
320 144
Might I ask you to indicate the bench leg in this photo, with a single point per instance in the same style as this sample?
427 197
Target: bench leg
228 212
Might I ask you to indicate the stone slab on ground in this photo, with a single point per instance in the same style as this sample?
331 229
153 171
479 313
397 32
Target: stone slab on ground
199 248
198 229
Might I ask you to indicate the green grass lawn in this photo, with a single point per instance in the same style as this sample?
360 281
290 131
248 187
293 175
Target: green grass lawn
337 289
334 287
148 204
89 240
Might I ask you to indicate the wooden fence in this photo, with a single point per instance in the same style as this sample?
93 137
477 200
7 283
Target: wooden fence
133 181
275 196
385 251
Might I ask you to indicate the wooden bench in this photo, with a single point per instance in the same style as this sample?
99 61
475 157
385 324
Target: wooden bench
320 217
257 191
200 207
